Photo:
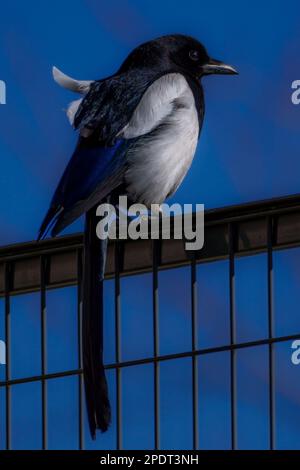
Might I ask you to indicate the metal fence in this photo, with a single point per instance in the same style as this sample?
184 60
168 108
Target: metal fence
229 233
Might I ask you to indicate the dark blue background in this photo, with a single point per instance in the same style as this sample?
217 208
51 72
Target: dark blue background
249 149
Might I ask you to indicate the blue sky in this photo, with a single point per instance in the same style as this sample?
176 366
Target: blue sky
249 150
249 144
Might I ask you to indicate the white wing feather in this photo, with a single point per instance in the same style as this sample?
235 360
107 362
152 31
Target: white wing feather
78 86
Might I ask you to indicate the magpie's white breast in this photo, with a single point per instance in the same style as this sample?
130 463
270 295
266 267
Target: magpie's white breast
165 129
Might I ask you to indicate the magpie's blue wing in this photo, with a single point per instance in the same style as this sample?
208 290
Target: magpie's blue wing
98 162
91 174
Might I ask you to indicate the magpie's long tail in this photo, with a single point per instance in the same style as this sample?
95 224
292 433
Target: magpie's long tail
96 392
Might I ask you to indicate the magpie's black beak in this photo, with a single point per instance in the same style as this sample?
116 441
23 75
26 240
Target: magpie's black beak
215 66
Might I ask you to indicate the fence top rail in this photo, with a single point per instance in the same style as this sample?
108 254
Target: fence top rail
250 221
249 210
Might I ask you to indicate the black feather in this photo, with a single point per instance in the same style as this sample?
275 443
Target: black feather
110 103
97 401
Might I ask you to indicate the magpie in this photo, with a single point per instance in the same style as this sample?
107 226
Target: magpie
138 131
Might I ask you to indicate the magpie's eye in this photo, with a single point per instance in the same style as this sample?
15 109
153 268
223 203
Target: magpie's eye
194 55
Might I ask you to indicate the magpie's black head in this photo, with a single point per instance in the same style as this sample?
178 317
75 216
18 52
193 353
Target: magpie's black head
176 52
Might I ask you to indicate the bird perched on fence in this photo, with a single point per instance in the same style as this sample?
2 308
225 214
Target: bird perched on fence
138 132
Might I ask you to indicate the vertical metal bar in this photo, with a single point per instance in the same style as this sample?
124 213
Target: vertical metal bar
7 354
195 357
118 343
43 276
155 262
231 236
79 338
271 333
